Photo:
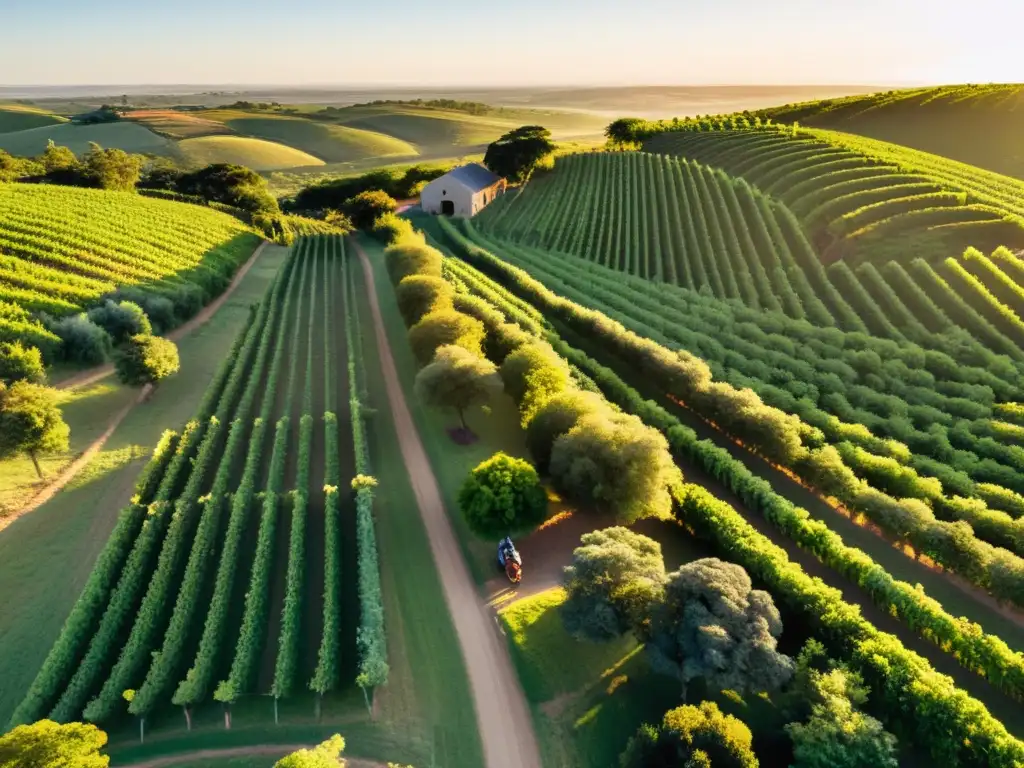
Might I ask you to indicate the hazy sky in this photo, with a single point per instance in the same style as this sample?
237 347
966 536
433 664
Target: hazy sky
529 42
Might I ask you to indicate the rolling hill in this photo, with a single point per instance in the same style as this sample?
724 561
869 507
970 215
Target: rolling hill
977 124
19 117
121 135
257 154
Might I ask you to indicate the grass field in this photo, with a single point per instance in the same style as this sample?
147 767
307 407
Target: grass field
121 135
19 117
46 556
176 125
257 154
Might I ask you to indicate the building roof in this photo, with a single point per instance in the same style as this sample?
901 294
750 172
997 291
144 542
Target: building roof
474 176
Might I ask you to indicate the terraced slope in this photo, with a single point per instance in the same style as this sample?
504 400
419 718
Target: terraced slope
63 248
976 124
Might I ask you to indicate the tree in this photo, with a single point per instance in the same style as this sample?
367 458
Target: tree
712 624
615 579
366 207
419 295
457 379
626 131
121 320
82 341
325 755
233 185
111 168
46 744
412 258
692 737
31 422
56 158
532 375
556 417
146 360
618 464
518 152
443 327
503 496
837 735
20 363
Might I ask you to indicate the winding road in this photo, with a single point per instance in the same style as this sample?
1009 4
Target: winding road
503 717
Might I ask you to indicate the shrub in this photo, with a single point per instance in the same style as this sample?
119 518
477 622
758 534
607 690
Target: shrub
532 374
82 341
442 328
392 228
419 295
412 258
365 208
121 319
555 418
147 360
503 496
20 363
698 737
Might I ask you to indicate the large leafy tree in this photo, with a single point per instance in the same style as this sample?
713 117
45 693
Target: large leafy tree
20 363
324 755
111 168
146 360
615 579
30 422
503 496
615 462
713 625
518 152
692 737
233 185
457 379
47 744
627 131
556 417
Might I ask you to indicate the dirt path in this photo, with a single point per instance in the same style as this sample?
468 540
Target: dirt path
91 376
95 374
272 750
503 718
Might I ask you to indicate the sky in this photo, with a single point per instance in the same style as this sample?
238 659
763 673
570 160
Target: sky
512 42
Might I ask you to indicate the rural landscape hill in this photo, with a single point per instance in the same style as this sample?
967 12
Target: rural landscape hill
575 427
977 124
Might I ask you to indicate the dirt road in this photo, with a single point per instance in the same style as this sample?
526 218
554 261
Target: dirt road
91 376
503 718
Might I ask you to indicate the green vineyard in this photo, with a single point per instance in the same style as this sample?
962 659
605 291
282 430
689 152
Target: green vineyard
225 576
63 249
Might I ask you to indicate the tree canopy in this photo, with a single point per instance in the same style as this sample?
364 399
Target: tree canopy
366 207
503 496
30 422
46 744
712 624
692 737
21 363
615 578
556 417
112 168
444 327
457 379
325 755
616 463
518 152
121 320
146 360
419 295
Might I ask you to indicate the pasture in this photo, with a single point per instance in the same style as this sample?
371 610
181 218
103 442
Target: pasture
253 153
20 117
122 135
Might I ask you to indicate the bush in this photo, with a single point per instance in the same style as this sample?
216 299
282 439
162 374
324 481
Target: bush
365 208
692 736
146 360
555 418
419 295
533 374
392 228
412 258
121 320
442 328
20 363
503 496
82 341
158 308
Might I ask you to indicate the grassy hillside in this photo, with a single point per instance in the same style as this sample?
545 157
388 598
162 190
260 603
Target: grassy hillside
18 117
121 135
177 125
977 124
63 248
257 154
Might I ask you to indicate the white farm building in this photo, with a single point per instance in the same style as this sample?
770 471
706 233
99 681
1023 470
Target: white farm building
463 191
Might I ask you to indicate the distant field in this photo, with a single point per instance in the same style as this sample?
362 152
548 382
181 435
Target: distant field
331 143
255 153
122 135
980 125
175 124
18 117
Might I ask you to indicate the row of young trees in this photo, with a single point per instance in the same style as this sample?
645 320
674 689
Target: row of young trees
855 643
